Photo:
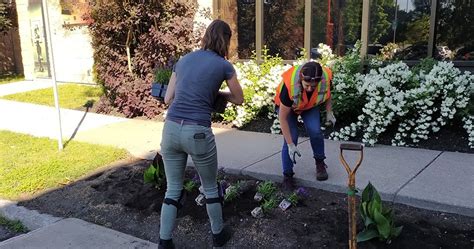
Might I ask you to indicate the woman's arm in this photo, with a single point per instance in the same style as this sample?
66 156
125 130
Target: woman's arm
236 95
170 90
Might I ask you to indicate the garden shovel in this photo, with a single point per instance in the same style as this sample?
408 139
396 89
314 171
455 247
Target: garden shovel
352 190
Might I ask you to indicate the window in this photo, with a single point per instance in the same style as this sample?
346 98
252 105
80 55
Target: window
336 23
240 15
283 24
455 30
405 23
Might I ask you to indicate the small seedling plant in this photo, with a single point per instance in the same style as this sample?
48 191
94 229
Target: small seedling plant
267 189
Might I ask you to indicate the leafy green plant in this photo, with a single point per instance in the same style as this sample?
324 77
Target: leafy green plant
189 185
267 189
378 221
346 99
155 175
162 76
293 198
424 66
14 225
269 204
231 193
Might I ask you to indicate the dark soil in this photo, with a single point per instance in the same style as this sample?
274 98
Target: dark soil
118 198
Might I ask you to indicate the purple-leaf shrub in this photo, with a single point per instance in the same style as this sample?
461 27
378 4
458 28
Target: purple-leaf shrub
156 34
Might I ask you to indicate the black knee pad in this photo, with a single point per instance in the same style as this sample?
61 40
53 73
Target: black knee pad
179 203
219 199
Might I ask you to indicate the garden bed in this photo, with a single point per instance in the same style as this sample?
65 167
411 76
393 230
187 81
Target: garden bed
118 198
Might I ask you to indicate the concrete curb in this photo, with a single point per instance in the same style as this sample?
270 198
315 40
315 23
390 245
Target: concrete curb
32 219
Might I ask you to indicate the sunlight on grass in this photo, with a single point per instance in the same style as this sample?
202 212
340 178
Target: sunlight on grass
29 164
11 79
71 96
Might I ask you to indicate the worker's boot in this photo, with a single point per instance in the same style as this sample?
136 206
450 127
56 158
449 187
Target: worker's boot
220 239
166 244
288 182
321 173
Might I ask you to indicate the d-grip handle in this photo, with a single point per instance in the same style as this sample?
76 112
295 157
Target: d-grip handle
352 146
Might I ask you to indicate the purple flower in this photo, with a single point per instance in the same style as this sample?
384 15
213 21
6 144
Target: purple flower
224 185
196 179
302 192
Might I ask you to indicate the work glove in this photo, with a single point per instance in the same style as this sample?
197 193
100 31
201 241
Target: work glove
330 119
293 151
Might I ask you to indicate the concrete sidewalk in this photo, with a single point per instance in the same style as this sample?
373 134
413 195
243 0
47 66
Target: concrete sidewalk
75 234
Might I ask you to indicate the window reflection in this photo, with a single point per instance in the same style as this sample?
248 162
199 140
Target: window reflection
283 24
455 30
405 23
336 23
240 15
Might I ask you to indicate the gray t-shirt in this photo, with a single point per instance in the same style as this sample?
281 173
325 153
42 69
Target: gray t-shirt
199 76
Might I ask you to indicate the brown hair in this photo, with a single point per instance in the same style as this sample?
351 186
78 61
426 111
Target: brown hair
217 37
312 69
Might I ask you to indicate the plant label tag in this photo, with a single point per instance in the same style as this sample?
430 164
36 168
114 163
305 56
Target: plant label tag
258 197
284 205
257 212
200 200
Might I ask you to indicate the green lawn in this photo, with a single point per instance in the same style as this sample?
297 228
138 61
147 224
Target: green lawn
29 164
71 96
11 79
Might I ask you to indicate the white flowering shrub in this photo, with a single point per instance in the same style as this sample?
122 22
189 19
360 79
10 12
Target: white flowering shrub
469 126
416 102
419 101
259 83
327 57
384 100
441 93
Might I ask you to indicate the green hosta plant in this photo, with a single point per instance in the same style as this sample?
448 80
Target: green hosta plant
155 174
378 221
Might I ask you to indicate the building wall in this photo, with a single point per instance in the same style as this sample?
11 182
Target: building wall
71 47
73 54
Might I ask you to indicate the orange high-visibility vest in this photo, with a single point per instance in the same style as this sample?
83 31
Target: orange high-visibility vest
291 79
